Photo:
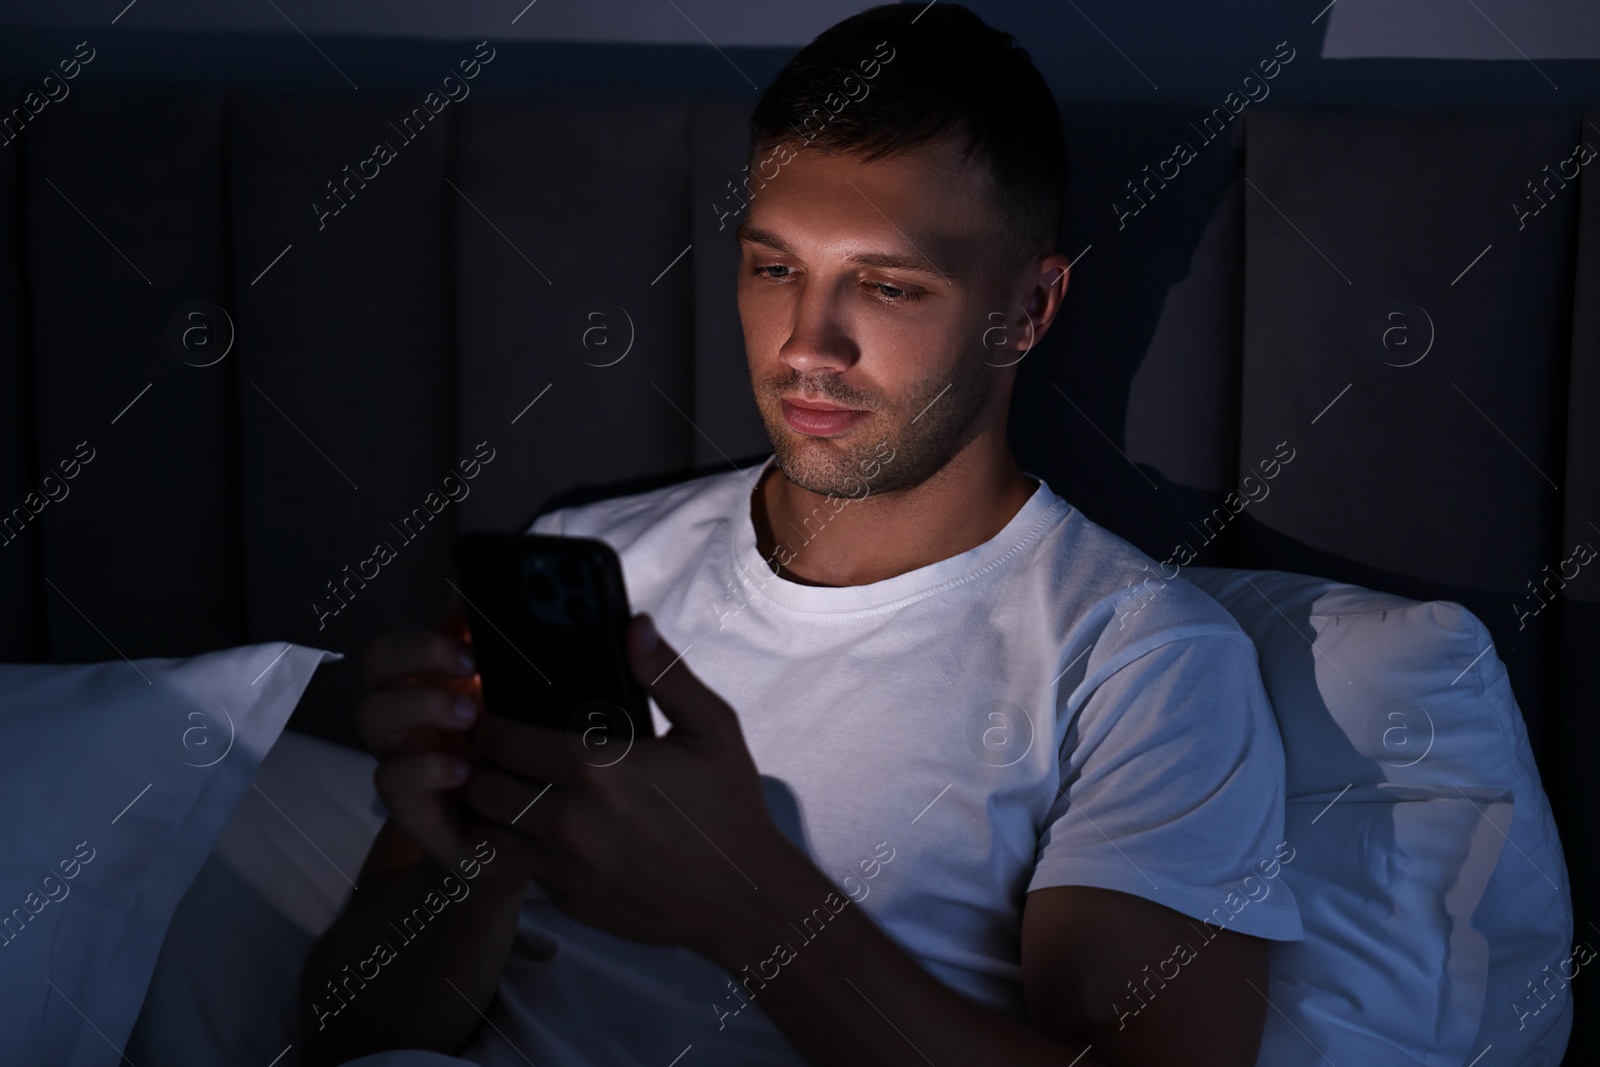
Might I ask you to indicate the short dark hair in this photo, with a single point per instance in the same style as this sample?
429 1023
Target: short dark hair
949 74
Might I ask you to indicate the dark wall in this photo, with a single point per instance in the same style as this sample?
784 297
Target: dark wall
1150 52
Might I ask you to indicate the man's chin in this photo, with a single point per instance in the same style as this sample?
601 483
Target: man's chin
822 465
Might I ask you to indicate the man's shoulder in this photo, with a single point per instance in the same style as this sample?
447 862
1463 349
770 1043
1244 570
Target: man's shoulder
623 519
1133 602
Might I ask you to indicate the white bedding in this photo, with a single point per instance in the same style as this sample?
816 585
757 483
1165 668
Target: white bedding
226 984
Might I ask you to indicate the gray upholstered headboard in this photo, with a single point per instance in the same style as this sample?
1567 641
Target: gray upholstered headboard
1397 310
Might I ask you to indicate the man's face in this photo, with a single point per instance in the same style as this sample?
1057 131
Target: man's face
871 286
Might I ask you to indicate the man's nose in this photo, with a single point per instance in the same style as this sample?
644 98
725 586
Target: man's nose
819 339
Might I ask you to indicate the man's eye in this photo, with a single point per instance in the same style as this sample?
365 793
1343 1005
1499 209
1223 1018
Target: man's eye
887 294
895 295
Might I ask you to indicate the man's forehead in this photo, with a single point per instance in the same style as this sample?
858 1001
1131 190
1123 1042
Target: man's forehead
937 254
934 170
873 214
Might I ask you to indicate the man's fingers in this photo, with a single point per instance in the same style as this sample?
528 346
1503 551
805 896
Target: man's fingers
686 701
392 658
538 753
386 717
514 857
514 801
410 788
406 781
415 789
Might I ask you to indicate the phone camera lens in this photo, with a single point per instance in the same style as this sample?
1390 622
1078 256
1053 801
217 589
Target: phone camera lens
541 588
570 573
579 610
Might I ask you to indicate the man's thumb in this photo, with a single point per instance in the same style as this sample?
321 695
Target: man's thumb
659 670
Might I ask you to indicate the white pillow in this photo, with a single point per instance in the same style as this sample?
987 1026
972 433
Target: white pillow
226 988
115 780
1408 775
301 835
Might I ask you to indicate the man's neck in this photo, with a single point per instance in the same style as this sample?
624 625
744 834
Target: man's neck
878 536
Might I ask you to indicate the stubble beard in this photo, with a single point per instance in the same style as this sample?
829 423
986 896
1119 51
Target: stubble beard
923 432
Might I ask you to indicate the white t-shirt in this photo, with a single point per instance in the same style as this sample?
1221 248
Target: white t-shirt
1040 710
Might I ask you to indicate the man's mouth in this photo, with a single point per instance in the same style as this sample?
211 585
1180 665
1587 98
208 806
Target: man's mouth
818 418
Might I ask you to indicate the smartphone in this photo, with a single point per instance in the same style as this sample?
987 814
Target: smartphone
547 615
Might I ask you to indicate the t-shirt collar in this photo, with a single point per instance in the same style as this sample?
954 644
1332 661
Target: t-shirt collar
1042 510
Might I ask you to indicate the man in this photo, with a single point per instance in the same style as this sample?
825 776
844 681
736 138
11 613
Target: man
944 772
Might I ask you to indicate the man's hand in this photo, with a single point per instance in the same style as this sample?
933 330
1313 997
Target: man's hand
425 694
659 846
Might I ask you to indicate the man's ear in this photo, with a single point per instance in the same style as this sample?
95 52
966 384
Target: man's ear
1042 297
1036 298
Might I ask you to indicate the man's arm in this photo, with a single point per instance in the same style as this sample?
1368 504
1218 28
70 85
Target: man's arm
851 996
428 993
1143 983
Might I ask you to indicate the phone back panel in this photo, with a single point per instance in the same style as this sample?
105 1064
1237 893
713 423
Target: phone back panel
547 615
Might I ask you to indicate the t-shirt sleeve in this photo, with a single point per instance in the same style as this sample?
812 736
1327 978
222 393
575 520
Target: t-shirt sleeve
1172 783
549 523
